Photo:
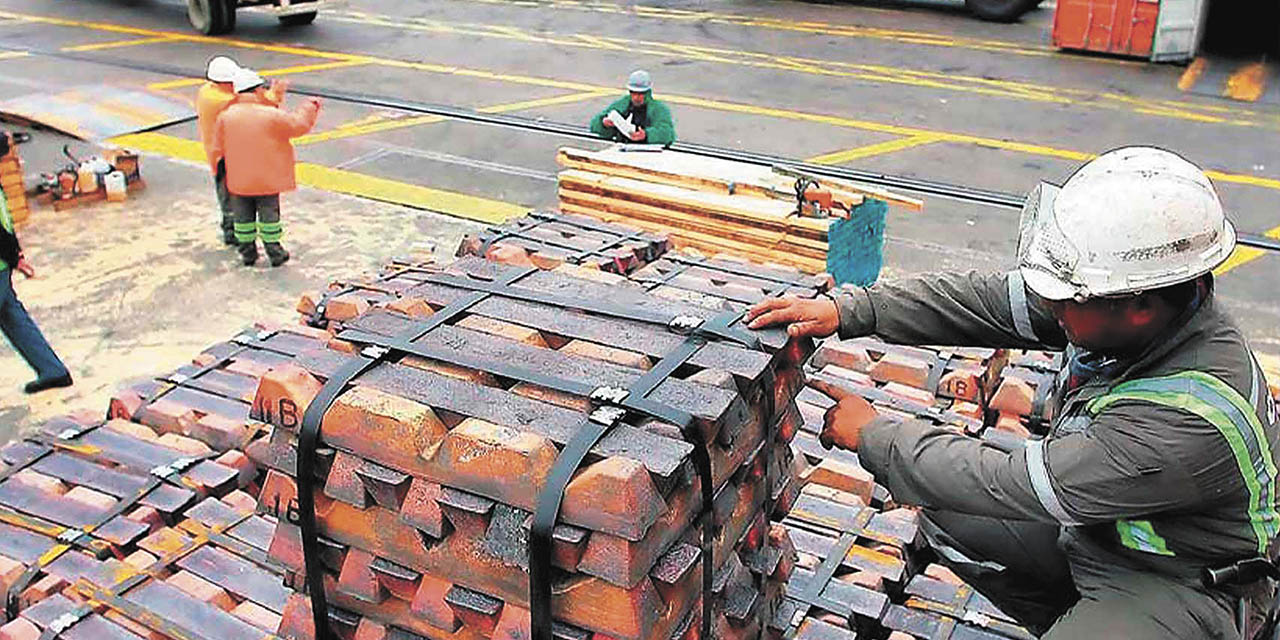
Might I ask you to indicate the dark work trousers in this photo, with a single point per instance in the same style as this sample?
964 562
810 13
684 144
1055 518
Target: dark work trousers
1023 568
224 199
23 333
257 217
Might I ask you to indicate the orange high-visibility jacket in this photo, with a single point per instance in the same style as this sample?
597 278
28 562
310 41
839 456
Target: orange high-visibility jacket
254 138
211 99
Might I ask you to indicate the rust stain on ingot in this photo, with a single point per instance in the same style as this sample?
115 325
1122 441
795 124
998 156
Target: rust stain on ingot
283 395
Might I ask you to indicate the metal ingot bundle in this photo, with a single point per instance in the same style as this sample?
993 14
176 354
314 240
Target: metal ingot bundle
431 465
107 533
551 239
209 399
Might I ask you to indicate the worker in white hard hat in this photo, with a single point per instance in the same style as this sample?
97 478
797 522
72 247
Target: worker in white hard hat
1158 471
640 118
213 96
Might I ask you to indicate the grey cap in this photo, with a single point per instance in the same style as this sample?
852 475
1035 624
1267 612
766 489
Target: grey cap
639 81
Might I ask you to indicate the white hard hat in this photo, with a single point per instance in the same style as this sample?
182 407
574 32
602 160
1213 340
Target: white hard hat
247 80
1132 219
221 69
639 81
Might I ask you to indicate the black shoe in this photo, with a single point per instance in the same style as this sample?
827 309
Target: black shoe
40 384
229 238
249 253
276 253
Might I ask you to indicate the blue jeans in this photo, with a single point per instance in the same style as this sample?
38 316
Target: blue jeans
23 333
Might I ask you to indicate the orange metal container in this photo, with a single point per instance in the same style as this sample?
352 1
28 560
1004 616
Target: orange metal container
1124 27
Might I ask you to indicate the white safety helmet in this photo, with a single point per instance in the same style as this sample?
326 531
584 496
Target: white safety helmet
1132 219
221 69
247 80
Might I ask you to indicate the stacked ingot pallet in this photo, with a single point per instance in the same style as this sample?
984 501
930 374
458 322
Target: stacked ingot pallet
11 182
993 393
209 400
107 533
939 606
552 239
705 203
430 464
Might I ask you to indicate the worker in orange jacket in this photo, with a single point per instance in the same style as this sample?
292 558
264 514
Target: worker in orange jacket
214 95
253 137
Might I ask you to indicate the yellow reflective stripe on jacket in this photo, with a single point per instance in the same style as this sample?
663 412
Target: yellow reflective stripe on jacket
1230 413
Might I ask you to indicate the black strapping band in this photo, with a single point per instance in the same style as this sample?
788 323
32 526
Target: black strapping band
614 406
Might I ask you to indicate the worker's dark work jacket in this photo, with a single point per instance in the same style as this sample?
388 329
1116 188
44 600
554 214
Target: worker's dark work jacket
1167 460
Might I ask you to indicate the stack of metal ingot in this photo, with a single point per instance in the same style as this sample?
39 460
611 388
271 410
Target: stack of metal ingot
430 466
877 586
551 239
209 399
108 533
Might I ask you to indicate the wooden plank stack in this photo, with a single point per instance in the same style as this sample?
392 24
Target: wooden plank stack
182 559
709 204
550 239
430 469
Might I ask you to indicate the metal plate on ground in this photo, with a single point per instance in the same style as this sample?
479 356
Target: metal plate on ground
97 112
1243 79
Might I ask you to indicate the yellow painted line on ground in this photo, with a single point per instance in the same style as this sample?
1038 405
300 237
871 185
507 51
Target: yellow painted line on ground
707 103
9 55
880 148
132 42
822 28
282 71
348 182
377 124
1245 255
1085 98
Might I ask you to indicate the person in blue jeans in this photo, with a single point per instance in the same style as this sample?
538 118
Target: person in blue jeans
16 324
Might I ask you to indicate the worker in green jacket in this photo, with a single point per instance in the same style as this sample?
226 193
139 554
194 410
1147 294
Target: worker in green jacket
650 117
1160 463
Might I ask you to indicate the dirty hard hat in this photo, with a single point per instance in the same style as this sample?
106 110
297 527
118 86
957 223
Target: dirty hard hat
639 81
247 80
221 69
1132 219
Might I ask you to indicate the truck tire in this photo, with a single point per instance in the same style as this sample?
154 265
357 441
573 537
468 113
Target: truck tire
298 19
1000 10
212 17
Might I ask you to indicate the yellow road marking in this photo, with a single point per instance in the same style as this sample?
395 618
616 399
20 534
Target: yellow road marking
7 55
376 124
132 42
718 105
349 182
282 71
1245 255
859 71
822 28
889 146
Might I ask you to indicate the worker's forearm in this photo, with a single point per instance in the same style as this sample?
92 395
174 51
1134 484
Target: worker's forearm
958 309
932 467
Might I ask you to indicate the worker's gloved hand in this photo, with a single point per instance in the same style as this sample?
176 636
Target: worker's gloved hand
842 426
816 318
25 268
638 135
